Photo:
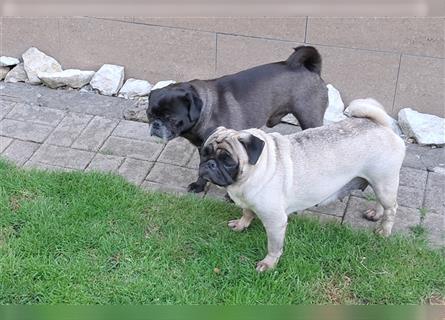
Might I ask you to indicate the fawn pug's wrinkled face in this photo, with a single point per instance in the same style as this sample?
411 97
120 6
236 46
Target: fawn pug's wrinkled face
225 155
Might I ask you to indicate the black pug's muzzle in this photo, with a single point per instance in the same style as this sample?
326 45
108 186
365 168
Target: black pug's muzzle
210 171
158 129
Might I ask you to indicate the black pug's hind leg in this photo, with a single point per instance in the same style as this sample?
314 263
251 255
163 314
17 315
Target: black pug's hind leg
275 119
310 110
309 121
197 186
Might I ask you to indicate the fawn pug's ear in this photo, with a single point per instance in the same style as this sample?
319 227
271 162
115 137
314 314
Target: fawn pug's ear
254 147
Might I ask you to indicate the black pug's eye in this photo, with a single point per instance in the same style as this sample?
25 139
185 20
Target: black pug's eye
179 123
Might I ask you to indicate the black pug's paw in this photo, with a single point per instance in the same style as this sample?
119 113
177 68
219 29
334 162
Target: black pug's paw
228 199
196 187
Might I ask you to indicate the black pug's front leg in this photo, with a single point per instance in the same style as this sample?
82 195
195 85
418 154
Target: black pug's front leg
197 186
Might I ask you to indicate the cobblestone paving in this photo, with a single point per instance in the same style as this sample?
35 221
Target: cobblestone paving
70 130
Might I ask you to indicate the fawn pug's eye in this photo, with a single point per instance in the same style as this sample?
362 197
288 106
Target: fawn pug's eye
226 159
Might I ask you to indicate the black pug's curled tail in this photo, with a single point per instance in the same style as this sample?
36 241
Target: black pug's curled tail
307 57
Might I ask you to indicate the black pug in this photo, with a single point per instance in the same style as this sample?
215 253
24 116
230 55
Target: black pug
248 99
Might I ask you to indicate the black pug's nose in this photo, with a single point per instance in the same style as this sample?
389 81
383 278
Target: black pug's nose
211 164
156 124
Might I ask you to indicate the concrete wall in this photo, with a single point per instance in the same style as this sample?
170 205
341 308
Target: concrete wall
398 61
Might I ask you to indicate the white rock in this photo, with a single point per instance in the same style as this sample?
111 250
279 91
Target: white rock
36 61
73 78
162 84
440 170
8 61
425 128
3 72
17 74
108 79
135 88
334 112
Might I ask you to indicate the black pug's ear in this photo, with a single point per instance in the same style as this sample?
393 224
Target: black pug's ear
254 146
195 105
209 132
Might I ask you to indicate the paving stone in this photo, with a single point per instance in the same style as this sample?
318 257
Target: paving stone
69 129
411 177
44 166
4 143
354 213
20 151
435 226
336 208
319 216
135 170
410 197
172 175
368 193
5 108
63 157
154 186
134 130
424 157
215 192
138 149
413 156
177 152
24 130
94 135
424 91
74 101
406 218
435 193
433 157
283 128
36 114
105 163
194 160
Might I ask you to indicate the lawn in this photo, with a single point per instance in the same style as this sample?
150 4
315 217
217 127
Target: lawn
95 239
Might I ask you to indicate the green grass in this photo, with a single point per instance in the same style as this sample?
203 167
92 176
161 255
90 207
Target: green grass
423 212
94 239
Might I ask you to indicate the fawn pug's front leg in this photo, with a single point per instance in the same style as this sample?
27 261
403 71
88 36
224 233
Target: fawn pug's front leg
275 226
243 222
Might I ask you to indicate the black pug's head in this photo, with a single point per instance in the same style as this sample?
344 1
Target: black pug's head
173 110
227 155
